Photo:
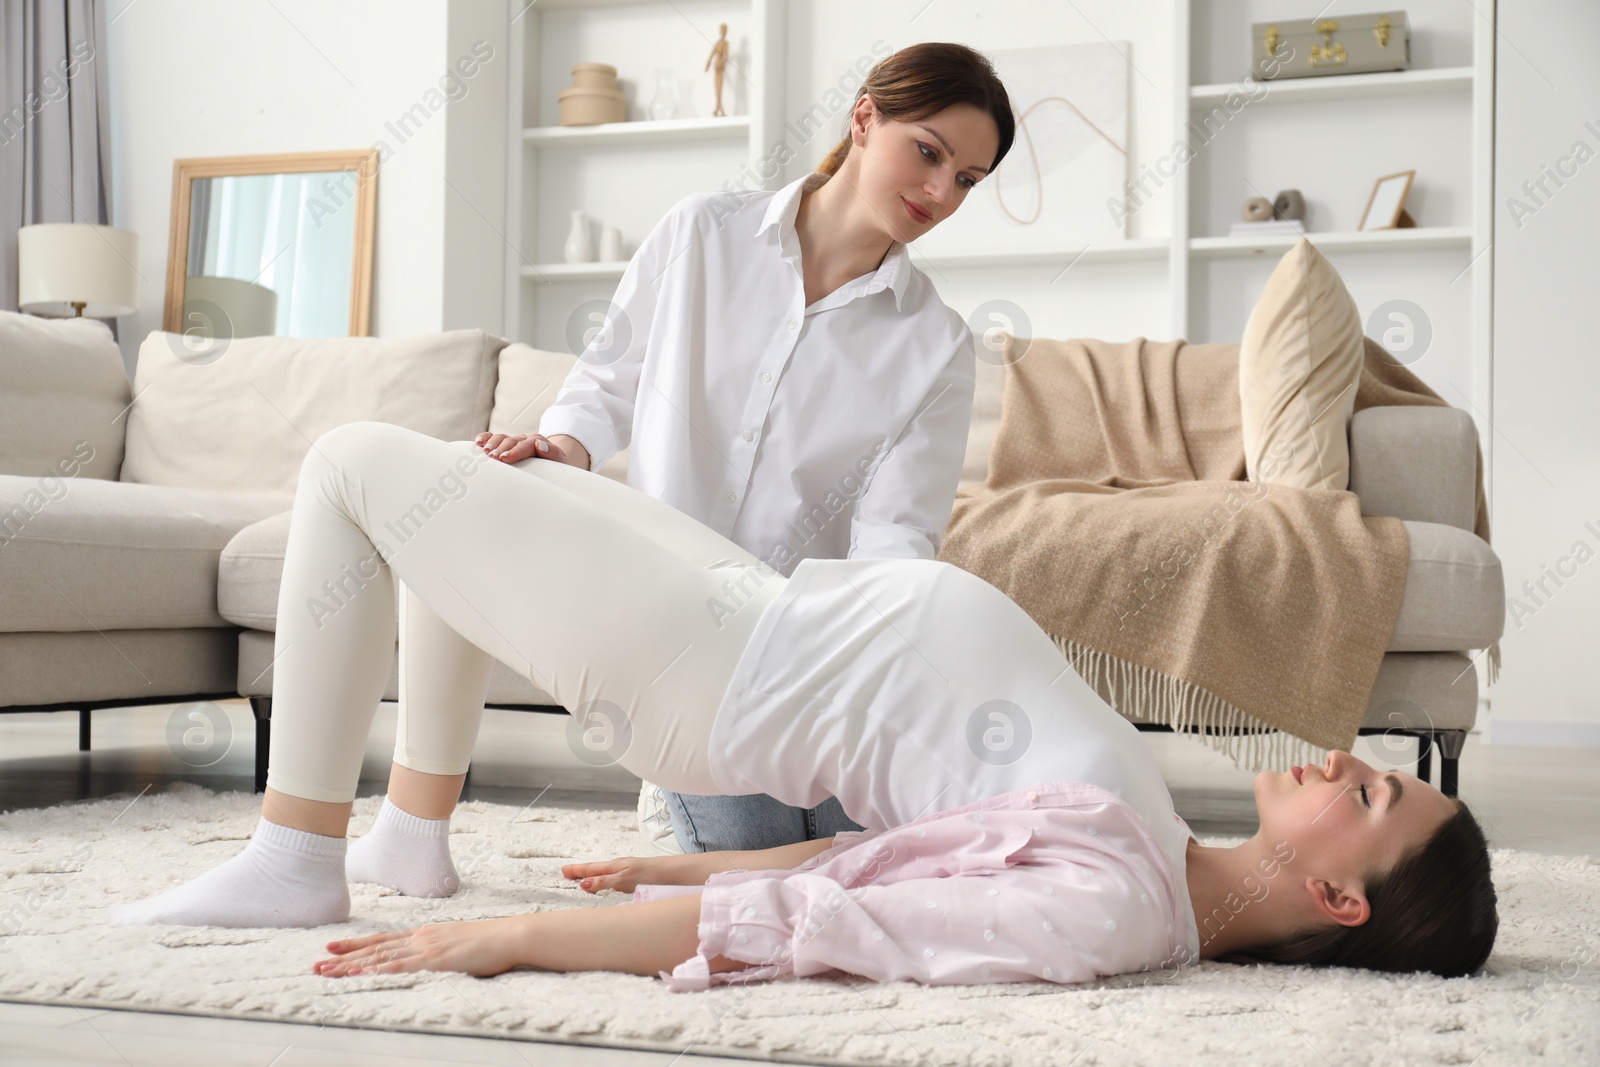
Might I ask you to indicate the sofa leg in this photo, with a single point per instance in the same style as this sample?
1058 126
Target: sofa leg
83 729
261 707
1450 742
1425 756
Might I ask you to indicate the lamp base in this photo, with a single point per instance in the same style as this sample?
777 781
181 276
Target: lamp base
77 308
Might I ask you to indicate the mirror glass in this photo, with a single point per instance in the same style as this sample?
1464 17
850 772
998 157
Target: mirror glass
1386 199
271 254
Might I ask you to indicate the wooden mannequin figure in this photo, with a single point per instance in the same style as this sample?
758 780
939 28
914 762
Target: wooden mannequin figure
719 54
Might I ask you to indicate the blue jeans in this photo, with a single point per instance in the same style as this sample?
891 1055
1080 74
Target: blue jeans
710 824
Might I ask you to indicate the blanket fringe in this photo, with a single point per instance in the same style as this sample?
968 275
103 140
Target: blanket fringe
1142 693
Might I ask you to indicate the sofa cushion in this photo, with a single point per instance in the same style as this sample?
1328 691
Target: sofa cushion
63 397
249 572
243 416
101 555
1299 362
1455 592
528 382
989 385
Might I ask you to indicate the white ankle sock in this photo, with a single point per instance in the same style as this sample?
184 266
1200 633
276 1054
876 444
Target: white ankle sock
284 877
405 852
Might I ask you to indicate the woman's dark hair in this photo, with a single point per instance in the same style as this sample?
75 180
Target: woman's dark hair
922 80
1433 911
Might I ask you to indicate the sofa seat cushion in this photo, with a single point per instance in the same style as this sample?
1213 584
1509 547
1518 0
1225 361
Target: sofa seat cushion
1455 592
250 571
89 554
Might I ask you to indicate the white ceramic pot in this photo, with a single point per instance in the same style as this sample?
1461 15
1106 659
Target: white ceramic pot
578 248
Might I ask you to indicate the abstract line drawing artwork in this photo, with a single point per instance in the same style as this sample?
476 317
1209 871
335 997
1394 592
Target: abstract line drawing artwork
1070 156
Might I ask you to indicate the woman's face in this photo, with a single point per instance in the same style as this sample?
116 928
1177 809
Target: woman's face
1344 818
915 174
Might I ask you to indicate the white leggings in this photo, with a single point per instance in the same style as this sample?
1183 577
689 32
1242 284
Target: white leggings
597 593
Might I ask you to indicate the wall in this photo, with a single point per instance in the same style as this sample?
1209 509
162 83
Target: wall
190 78
1547 381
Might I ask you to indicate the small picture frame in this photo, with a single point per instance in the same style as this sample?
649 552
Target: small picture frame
1386 206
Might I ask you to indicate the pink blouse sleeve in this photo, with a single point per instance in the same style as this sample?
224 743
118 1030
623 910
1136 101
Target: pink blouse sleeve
1068 923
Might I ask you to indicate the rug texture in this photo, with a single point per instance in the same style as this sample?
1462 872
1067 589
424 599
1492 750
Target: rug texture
61 867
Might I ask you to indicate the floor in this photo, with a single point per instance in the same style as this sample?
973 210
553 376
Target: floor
1531 799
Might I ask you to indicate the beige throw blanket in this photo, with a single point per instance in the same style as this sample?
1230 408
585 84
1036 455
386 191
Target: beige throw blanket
1117 515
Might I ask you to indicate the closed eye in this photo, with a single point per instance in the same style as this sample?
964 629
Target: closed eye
1364 798
933 157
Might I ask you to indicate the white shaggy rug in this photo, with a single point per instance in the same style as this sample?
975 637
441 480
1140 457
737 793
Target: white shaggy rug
61 867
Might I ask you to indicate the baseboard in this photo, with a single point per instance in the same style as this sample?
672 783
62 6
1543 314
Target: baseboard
1544 733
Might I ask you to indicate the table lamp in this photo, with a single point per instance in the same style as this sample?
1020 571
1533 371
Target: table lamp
70 269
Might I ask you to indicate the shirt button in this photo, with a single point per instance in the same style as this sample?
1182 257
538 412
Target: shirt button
1111 924
928 952
731 497
1033 794
1049 972
933 904
1048 926
766 377
877 935
994 892
748 435
793 325
988 935
1049 890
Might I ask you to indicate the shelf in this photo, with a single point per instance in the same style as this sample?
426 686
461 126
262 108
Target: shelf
1343 86
575 272
573 5
1135 248
732 127
1422 237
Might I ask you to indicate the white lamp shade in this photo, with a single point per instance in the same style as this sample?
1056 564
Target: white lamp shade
251 309
59 263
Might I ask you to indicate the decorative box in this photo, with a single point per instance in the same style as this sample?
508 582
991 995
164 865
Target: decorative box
1352 44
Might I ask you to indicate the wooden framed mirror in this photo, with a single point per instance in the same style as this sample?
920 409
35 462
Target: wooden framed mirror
272 244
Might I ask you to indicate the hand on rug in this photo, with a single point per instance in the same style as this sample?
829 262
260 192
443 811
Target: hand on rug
482 948
627 873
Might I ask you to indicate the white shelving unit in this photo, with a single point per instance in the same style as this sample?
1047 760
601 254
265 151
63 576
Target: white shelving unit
1403 95
545 167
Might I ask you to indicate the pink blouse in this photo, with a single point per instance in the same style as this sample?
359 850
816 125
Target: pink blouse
1061 881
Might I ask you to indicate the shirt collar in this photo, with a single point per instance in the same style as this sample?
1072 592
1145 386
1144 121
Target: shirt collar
894 273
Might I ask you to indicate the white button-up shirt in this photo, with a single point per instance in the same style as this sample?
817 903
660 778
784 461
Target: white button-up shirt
830 431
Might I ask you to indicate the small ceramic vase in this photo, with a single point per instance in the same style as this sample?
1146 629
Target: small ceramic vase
610 244
578 248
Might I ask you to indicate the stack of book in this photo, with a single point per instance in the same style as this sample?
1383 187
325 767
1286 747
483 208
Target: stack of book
1270 226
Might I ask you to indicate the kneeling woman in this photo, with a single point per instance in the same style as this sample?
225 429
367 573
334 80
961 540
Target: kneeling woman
1017 827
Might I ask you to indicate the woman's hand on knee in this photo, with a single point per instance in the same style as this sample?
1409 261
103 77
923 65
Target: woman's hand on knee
516 447
627 873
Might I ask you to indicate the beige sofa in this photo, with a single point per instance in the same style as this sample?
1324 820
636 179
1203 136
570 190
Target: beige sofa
142 528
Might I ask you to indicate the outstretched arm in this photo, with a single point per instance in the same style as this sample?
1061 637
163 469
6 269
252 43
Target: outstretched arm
644 938
627 873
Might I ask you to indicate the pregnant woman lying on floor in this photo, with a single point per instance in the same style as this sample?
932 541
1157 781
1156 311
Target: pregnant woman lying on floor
1017 828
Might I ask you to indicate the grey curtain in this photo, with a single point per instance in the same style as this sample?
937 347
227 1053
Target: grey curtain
54 122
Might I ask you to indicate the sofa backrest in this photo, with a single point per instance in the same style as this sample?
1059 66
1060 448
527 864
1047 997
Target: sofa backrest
528 383
63 397
531 377
244 415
